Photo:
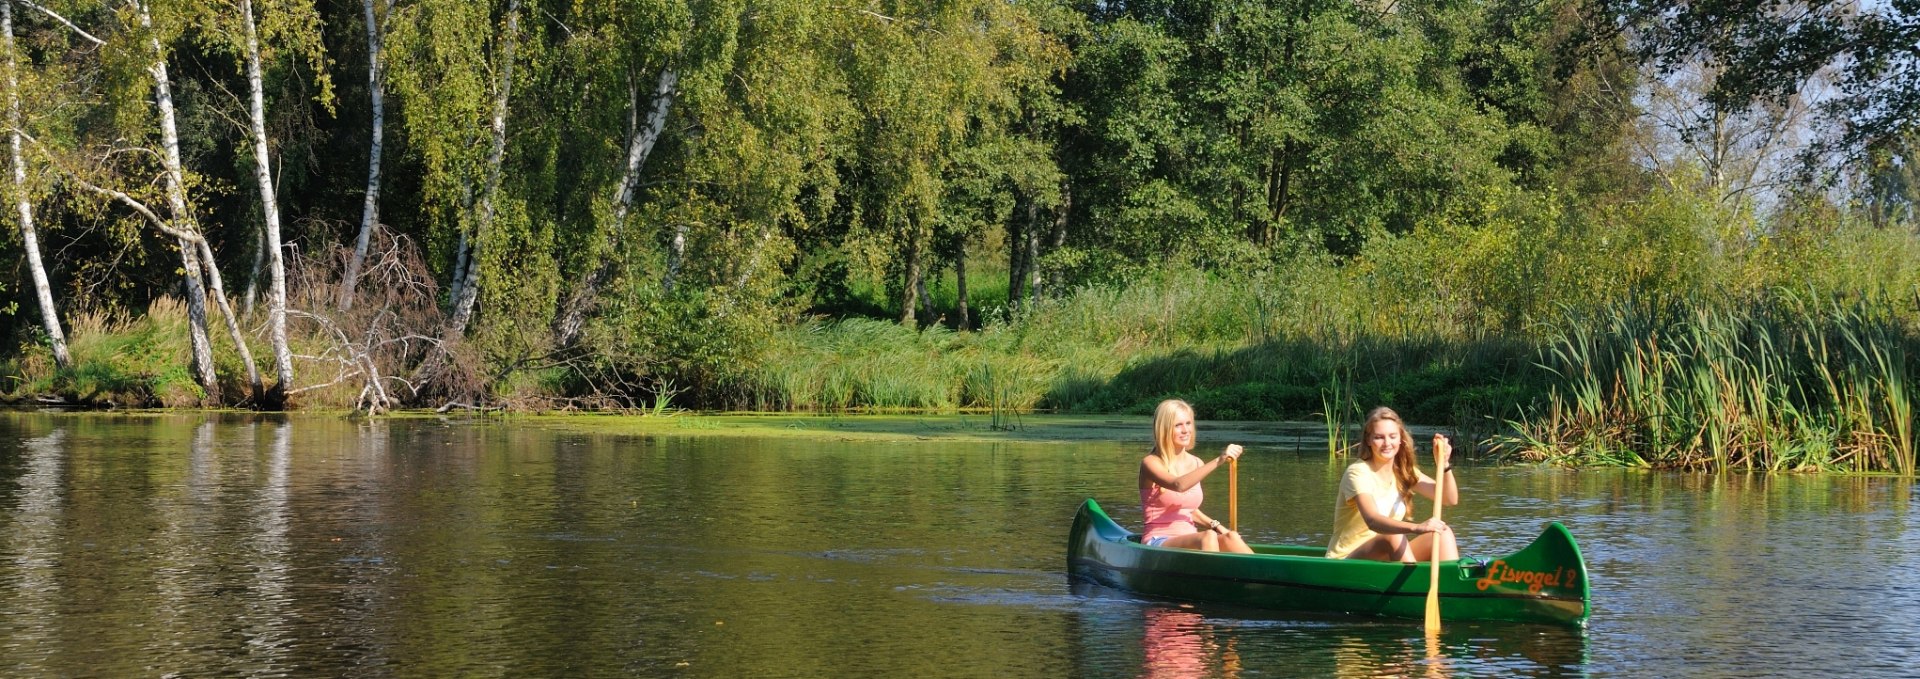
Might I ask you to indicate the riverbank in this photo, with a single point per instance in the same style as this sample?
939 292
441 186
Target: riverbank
1744 362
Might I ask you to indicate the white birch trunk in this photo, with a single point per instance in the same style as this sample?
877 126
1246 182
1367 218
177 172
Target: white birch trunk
270 207
573 314
370 209
470 287
177 202
201 343
23 201
219 292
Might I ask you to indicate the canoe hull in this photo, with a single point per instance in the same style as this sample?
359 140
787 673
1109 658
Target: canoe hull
1545 582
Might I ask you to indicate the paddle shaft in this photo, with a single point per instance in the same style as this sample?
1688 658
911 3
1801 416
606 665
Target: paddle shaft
1233 494
1433 584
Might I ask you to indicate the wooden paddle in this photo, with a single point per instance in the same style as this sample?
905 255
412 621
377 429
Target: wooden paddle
1439 500
1233 494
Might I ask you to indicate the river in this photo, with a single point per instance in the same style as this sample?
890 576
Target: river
310 545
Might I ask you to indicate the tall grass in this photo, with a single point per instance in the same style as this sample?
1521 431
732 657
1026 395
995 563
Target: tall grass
118 359
1786 384
1257 347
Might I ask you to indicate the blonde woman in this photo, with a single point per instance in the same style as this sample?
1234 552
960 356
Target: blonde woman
1373 517
1170 487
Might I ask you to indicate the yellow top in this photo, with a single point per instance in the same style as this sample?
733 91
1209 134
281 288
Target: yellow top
1349 528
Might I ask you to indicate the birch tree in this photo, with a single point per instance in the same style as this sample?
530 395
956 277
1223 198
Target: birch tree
175 173
506 41
449 80
574 312
200 270
294 26
939 92
377 102
23 195
180 226
648 43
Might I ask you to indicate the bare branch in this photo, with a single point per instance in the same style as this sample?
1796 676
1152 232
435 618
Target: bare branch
56 17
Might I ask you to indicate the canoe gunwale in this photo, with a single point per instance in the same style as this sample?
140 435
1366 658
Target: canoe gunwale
1091 563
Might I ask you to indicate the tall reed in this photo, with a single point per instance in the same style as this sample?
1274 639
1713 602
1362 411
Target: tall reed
1788 383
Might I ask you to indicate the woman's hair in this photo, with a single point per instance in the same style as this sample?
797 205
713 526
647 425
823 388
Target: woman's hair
1164 416
1403 462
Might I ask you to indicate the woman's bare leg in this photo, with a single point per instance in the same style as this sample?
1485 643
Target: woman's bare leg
1232 542
1202 541
1422 546
1384 548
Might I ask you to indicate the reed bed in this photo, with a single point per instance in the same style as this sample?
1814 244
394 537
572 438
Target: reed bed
1784 384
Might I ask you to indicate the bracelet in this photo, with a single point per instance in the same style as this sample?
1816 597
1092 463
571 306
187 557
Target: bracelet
1448 470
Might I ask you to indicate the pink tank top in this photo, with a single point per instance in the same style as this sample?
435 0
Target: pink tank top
1169 513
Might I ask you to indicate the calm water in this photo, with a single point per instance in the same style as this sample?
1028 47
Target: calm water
197 545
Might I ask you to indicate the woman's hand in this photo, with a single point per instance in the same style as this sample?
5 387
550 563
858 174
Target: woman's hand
1430 526
1233 452
1442 452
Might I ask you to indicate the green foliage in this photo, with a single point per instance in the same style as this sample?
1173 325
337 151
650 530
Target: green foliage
1276 209
1766 52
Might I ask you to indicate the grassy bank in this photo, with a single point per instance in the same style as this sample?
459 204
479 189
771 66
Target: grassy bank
1222 344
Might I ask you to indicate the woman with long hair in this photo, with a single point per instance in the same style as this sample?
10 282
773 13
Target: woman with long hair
1373 517
1170 487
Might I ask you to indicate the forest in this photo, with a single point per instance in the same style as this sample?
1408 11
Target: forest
1588 231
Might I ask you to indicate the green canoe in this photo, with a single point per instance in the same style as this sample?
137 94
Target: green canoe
1546 582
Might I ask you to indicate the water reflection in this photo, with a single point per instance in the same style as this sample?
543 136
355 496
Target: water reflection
265 622
200 545
33 542
1179 644
1210 640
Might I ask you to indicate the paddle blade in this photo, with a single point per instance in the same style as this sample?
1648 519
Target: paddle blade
1433 604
